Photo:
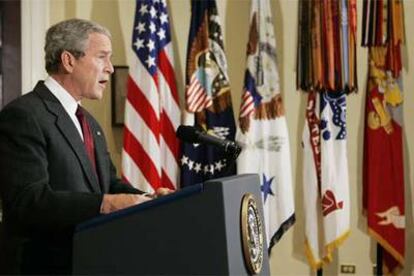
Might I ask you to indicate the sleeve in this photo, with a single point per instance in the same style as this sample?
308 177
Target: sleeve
28 198
120 187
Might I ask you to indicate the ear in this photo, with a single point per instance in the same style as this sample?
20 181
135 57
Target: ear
68 61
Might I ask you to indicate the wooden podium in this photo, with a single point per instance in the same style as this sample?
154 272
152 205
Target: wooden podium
197 230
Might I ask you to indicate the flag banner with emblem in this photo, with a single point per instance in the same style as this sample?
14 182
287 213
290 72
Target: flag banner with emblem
152 112
383 189
312 182
208 103
262 130
327 71
325 177
334 190
383 161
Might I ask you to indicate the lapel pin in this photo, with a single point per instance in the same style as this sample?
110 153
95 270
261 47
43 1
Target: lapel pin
98 133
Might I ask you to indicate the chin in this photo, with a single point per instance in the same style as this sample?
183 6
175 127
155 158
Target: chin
97 95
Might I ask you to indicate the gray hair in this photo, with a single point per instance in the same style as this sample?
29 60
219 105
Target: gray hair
69 35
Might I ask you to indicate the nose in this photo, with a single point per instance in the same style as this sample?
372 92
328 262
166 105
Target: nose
109 68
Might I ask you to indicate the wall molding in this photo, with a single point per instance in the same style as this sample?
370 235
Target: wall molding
35 22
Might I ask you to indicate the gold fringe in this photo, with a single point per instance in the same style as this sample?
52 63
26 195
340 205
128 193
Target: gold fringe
335 244
315 264
387 246
395 272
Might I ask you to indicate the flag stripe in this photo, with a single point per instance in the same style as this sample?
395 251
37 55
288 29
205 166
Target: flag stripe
166 181
132 174
140 132
167 70
197 97
135 124
168 131
168 124
145 110
169 164
142 159
145 84
247 106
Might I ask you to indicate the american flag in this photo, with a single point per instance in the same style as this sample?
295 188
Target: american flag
152 113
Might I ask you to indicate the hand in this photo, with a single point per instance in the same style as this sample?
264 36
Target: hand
159 192
111 203
163 192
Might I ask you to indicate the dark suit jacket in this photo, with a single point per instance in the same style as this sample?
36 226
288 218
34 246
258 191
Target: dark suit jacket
48 184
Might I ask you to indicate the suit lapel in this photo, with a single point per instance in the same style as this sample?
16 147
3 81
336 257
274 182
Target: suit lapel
67 128
100 155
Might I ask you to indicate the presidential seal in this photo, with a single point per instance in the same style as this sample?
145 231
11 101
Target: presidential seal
252 234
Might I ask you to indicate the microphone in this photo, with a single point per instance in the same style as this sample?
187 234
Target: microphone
194 135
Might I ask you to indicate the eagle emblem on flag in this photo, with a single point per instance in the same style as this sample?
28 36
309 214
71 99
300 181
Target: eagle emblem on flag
208 103
261 98
263 131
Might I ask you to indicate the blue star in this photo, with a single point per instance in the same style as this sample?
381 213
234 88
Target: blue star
266 187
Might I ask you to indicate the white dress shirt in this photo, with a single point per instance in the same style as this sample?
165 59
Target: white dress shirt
69 103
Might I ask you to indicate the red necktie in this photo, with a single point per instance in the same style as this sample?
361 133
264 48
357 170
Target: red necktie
87 136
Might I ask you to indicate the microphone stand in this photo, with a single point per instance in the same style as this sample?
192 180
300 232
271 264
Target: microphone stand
231 156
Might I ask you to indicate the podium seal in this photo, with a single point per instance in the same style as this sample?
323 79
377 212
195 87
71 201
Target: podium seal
252 234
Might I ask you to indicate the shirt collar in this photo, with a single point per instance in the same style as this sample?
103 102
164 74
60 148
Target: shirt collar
69 103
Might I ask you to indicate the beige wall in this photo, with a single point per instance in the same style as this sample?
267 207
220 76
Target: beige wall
287 256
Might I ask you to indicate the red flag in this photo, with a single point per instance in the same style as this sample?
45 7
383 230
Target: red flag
383 197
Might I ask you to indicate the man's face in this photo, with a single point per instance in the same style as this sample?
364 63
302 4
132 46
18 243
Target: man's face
91 71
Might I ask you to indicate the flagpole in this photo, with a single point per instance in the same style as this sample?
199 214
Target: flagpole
379 260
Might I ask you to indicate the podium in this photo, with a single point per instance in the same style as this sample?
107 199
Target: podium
196 230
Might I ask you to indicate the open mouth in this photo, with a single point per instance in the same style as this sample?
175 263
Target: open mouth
103 82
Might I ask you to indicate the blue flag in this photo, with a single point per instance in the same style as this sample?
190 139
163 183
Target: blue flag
208 99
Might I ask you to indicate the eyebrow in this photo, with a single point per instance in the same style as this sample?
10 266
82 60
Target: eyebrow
105 52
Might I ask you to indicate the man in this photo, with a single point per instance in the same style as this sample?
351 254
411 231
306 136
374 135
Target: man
55 169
